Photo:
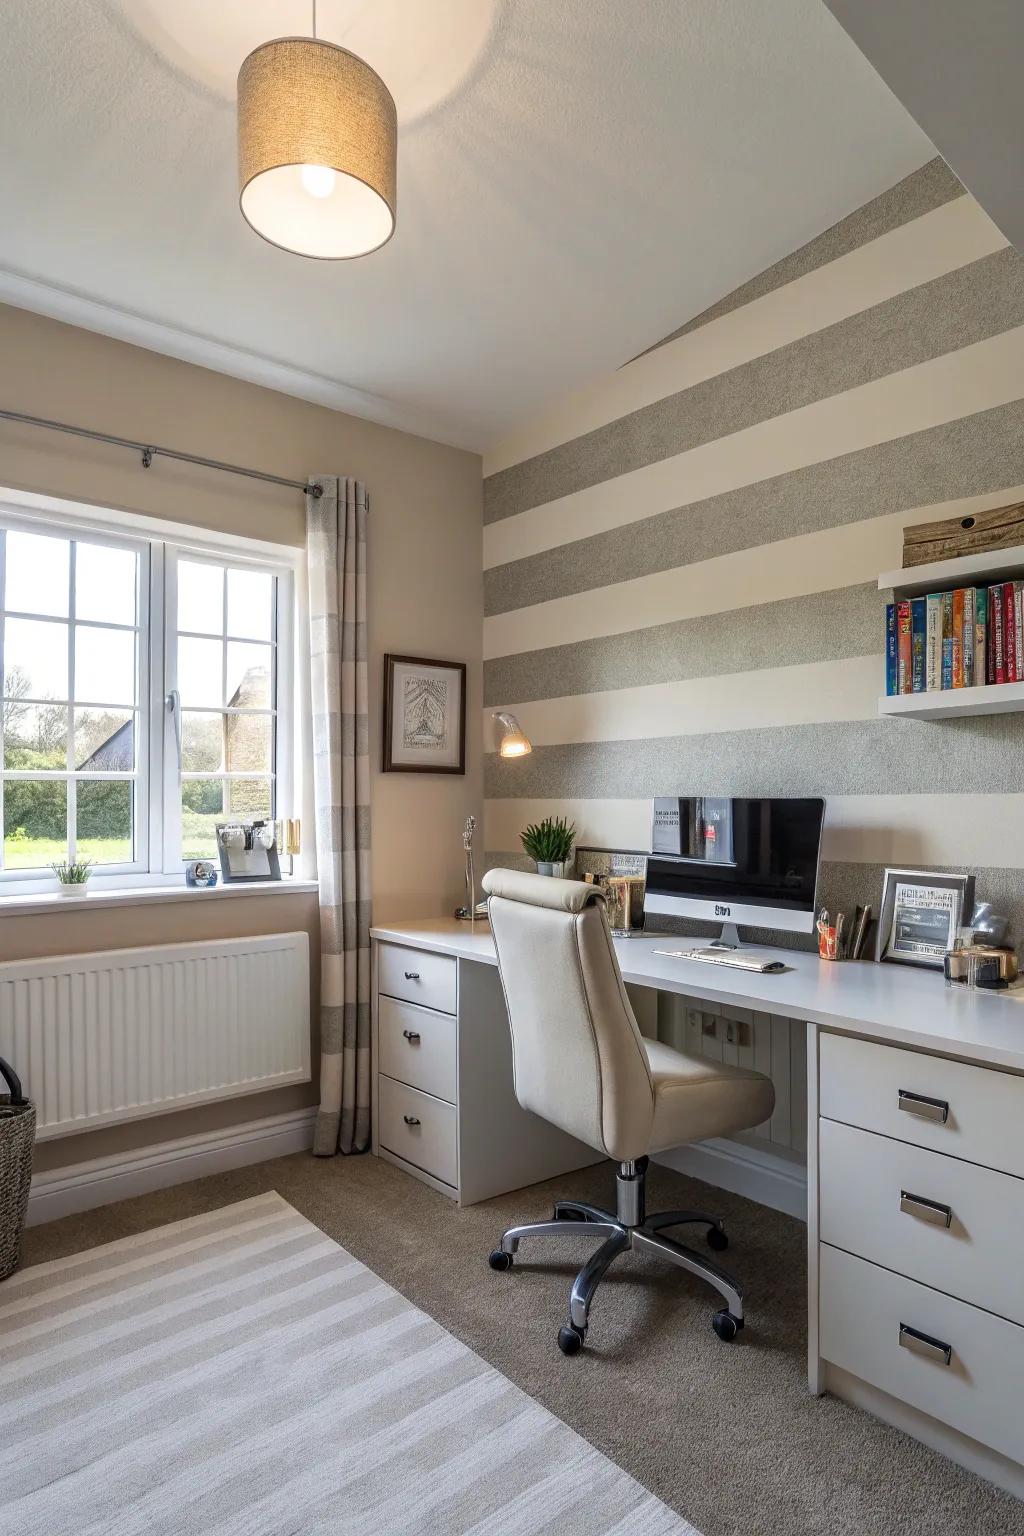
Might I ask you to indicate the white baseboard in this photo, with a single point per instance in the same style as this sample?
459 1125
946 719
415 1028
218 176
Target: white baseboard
762 1176
83 1186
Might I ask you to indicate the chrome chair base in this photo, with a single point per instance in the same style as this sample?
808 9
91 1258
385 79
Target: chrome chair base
628 1228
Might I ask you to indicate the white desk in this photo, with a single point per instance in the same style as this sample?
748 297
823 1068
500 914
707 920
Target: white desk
445 1110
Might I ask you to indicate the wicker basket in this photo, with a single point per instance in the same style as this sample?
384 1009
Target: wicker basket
17 1138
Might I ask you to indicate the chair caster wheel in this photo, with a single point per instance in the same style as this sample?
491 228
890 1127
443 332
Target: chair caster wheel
570 1339
717 1239
499 1259
726 1326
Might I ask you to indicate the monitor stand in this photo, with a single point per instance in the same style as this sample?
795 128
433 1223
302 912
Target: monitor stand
729 938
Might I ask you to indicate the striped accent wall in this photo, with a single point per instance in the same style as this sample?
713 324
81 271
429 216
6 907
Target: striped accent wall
681 560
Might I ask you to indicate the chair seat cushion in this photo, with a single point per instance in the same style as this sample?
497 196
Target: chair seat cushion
695 1098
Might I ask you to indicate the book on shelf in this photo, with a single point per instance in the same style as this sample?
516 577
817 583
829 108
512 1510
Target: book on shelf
957 662
968 637
933 643
947 639
965 638
904 656
1010 631
918 624
892 684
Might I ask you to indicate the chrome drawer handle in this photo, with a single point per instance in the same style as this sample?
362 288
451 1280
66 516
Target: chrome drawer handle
412 975
410 1120
923 1344
926 1108
928 1210
412 1035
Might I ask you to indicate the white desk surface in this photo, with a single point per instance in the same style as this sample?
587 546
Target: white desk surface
899 1004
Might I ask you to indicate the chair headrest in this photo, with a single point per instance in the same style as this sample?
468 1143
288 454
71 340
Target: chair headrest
540 890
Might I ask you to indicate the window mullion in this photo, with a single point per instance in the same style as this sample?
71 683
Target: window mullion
71 781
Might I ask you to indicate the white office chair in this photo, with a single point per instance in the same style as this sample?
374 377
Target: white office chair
580 1061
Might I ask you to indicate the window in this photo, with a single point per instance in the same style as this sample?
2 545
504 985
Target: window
144 698
225 644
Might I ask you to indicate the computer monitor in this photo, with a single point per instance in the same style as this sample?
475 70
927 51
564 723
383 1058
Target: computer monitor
736 861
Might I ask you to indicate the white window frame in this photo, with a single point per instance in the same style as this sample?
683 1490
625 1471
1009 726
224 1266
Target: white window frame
282 754
157 806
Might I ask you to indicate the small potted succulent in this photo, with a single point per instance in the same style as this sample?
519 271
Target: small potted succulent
73 876
550 842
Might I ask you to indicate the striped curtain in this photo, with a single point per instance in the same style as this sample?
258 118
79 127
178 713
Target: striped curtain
336 561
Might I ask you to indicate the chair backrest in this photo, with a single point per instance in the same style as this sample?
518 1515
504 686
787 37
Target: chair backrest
578 1056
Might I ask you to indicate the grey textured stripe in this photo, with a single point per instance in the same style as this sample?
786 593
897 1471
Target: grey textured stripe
930 187
980 754
842 887
271 1382
846 622
983 299
970 457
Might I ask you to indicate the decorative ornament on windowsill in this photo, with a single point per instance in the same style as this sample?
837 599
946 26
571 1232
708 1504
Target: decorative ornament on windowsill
73 877
473 911
550 844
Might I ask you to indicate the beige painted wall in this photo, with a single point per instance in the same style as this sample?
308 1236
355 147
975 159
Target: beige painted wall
425 598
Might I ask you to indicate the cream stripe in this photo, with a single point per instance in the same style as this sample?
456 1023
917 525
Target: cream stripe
928 247
985 831
154 1313
975 378
156 1238
128 1355
809 562
845 689
283 1220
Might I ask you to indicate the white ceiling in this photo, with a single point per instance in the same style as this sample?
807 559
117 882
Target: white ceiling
577 178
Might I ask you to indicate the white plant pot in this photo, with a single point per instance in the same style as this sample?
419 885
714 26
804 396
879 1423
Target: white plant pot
73 890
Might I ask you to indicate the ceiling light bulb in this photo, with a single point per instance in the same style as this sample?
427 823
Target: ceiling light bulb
318 180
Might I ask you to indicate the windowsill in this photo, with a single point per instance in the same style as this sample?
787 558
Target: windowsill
49 901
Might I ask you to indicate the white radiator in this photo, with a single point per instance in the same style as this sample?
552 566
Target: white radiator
132 1032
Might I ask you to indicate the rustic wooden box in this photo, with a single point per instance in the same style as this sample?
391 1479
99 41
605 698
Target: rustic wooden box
1000 528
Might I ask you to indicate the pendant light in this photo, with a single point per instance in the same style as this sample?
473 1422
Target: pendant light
316 148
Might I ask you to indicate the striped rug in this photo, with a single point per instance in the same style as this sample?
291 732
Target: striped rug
241 1373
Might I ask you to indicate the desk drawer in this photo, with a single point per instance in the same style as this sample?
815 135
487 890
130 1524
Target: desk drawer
979 1256
419 1128
417 1046
417 976
862 1309
865 1084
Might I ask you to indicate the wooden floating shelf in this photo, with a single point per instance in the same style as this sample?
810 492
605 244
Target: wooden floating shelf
982 570
992 699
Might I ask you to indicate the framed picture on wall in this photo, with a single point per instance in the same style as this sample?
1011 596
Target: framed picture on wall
922 913
424 715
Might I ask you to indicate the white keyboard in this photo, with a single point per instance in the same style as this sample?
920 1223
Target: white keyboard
734 957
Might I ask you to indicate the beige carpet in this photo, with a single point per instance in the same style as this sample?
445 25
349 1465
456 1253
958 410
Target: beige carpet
240 1374
724 1433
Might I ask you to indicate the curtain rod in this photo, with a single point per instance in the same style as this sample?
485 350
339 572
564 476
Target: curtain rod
149 452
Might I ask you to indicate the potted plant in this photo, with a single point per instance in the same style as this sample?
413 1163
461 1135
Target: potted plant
73 877
550 842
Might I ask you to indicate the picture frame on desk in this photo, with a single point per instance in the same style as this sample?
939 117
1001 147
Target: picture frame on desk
921 914
424 715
